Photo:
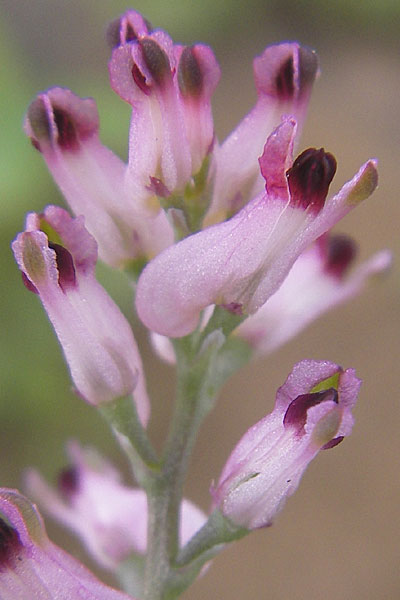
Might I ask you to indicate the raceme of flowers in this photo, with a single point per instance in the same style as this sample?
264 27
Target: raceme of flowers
230 251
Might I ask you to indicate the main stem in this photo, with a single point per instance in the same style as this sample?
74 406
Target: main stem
165 489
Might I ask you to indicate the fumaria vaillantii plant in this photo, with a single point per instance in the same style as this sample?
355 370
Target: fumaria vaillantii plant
230 251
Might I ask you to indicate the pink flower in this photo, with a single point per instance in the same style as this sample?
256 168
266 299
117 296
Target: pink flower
97 340
109 517
31 566
125 222
318 281
312 412
284 75
169 87
242 262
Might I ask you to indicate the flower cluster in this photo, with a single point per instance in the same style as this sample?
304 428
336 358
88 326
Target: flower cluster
229 247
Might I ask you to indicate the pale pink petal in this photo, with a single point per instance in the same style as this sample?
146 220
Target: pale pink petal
64 128
312 412
284 74
97 340
33 567
312 287
242 262
109 517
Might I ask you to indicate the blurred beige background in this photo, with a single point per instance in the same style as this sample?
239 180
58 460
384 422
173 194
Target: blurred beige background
338 536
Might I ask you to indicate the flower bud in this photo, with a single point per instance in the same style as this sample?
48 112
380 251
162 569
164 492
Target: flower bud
312 412
96 338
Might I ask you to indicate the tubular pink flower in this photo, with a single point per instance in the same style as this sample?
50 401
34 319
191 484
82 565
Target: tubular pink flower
284 75
242 262
109 517
312 412
31 566
169 88
97 340
318 281
64 128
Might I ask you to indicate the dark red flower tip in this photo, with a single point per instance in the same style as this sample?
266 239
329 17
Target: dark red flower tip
340 253
65 266
291 81
284 80
68 138
296 413
156 60
309 178
190 75
10 546
308 68
113 33
122 31
39 119
69 481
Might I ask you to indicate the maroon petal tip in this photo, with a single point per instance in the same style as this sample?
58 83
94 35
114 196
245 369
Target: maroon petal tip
309 178
190 75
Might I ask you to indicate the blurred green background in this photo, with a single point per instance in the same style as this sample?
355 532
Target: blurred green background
338 536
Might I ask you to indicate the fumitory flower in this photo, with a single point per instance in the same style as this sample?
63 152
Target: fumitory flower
284 75
31 566
169 87
109 517
64 128
312 412
240 263
57 257
319 280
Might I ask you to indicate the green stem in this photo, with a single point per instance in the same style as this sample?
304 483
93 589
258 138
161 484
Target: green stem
165 492
131 435
210 539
